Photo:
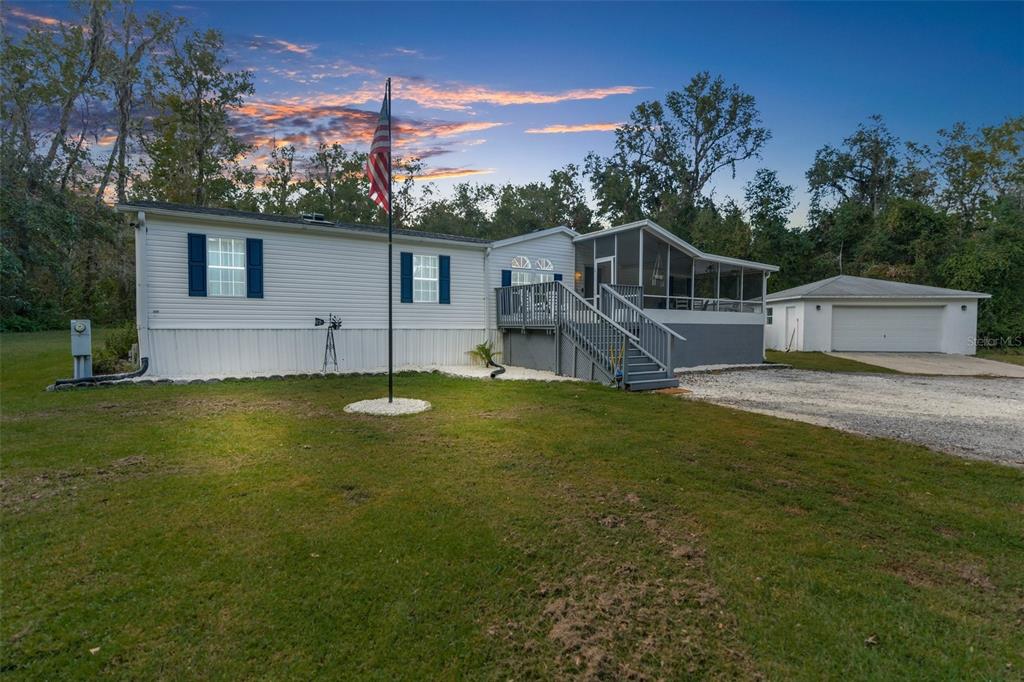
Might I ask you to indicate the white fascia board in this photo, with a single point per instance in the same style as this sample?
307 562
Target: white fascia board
534 235
680 243
331 229
888 297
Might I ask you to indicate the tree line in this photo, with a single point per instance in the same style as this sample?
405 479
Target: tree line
161 97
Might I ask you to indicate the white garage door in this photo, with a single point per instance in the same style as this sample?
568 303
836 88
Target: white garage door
896 328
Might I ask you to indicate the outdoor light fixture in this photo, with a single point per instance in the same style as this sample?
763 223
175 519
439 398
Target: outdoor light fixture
964 307
817 307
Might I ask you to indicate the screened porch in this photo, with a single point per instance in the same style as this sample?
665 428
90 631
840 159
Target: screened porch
671 274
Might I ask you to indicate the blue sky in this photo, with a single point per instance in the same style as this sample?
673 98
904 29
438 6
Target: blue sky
471 80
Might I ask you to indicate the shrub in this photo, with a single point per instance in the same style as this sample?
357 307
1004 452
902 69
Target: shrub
113 357
485 353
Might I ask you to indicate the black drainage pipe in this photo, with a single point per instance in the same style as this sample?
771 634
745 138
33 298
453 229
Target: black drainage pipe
143 366
495 373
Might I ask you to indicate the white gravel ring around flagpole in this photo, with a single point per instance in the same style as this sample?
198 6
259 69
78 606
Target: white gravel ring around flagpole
381 407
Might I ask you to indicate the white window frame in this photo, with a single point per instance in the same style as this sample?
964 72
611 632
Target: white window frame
520 277
768 314
426 279
238 288
521 262
544 264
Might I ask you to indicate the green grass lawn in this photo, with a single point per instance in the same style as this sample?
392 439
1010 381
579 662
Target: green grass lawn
823 362
517 530
1012 355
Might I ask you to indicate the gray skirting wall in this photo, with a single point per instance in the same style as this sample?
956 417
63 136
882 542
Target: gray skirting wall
706 344
533 349
542 350
718 344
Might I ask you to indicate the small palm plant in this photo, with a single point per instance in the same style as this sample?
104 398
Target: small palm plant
485 353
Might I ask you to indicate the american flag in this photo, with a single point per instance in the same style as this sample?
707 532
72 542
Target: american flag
379 160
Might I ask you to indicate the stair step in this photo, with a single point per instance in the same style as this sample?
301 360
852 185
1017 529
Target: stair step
652 384
641 367
646 374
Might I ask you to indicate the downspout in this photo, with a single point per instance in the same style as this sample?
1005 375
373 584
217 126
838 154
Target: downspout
142 285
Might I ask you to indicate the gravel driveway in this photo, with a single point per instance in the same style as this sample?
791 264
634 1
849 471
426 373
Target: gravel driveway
966 416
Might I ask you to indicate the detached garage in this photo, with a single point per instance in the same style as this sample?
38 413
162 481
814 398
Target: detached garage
847 313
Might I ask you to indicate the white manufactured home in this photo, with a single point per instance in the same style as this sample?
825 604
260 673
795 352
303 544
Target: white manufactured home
846 313
231 293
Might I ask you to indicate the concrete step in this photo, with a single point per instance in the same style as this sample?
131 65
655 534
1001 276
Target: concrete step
652 384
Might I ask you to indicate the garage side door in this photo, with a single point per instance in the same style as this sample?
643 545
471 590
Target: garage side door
896 328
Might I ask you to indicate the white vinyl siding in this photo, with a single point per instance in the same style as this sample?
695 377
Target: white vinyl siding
424 279
307 273
225 266
556 247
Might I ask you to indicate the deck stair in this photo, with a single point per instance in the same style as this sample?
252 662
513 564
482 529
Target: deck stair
618 337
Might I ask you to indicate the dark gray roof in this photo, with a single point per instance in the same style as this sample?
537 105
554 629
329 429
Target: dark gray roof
847 286
298 220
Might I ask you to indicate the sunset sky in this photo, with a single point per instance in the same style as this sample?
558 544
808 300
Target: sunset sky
506 92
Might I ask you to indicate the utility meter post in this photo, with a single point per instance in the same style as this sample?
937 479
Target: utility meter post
81 347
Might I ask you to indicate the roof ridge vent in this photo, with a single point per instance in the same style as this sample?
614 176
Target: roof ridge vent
314 217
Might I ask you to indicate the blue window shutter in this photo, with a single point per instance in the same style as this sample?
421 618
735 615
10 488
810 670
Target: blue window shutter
406 277
558 277
196 264
444 279
506 278
254 268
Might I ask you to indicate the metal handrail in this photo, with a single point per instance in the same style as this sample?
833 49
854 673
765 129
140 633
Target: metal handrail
555 305
634 293
654 338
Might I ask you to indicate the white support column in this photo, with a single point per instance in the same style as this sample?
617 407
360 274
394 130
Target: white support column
764 313
641 264
668 278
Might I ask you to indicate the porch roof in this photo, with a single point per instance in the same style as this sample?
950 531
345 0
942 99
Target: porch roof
680 244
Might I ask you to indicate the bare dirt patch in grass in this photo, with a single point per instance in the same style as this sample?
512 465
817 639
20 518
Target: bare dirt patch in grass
184 407
22 491
634 599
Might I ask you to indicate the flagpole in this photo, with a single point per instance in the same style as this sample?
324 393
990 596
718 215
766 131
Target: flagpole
391 265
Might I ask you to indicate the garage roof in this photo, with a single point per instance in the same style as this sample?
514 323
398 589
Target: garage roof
847 286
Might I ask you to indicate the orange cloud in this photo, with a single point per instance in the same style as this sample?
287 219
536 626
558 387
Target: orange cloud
463 97
31 18
573 128
279 45
293 47
447 173
460 97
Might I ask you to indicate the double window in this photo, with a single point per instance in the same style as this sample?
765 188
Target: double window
525 272
225 266
424 279
769 315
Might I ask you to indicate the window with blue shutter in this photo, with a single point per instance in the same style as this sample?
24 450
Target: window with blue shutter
444 279
196 264
406 276
506 278
254 268
558 277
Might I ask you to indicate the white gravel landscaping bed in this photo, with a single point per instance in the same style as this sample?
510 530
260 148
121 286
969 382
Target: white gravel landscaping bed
979 418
